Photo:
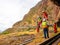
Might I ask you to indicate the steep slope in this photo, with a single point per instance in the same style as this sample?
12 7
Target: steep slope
52 9
21 31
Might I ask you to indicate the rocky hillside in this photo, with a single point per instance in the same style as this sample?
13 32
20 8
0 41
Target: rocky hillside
52 7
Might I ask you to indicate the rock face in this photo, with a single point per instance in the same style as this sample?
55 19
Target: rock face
50 6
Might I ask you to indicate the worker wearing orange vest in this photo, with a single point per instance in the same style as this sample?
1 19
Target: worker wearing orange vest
55 28
39 21
45 15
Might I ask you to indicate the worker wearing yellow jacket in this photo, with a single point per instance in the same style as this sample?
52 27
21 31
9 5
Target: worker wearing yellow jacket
45 28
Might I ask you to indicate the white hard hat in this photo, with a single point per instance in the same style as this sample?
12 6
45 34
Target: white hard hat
44 19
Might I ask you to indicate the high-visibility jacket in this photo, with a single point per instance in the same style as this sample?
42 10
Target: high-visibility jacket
55 27
45 15
39 19
44 24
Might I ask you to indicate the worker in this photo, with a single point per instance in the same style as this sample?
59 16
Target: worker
45 28
39 21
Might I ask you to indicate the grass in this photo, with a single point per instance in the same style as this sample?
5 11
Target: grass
6 32
39 37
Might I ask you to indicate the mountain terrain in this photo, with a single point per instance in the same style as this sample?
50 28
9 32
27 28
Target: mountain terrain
26 28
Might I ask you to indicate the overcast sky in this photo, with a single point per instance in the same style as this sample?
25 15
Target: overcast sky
12 11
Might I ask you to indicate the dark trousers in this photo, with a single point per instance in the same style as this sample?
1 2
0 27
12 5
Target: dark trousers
46 34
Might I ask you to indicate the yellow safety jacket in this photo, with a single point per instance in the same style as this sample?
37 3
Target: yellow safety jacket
44 24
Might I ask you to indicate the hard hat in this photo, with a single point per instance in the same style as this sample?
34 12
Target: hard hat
44 19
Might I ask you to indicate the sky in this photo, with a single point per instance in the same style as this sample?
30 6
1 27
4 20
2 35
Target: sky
12 11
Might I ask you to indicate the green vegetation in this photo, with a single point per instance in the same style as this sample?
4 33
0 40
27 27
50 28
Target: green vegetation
5 32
